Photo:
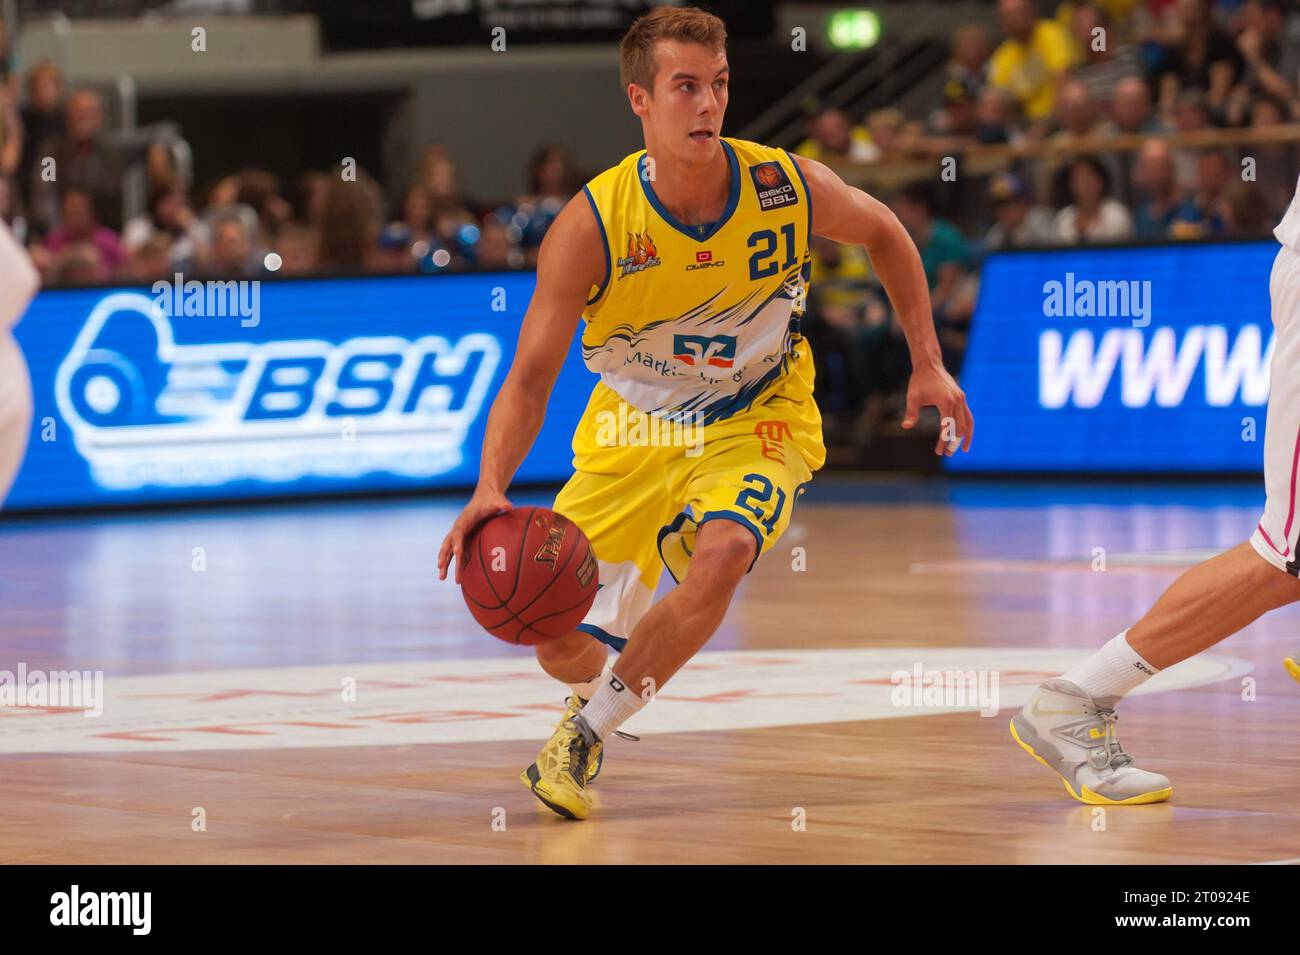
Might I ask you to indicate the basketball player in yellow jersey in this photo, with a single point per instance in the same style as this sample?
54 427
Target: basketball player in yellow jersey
688 262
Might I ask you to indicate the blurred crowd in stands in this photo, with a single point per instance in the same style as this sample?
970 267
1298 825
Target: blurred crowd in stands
1073 125
62 175
1108 121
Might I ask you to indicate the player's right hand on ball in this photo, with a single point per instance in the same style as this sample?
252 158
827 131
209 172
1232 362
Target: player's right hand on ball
484 504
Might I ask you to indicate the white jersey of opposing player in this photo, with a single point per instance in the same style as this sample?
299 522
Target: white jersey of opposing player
1288 230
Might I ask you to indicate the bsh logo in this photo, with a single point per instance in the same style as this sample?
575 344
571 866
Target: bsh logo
145 410
716 350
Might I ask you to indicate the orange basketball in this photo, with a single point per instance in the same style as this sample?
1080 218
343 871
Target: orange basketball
528 575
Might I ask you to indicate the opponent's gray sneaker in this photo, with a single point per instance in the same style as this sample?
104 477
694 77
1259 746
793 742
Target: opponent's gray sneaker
1071 733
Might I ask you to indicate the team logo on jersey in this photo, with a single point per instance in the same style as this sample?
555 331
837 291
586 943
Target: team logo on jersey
716 350
641 254
771 436
775 191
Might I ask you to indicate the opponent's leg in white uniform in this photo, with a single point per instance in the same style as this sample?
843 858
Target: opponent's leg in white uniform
1068 724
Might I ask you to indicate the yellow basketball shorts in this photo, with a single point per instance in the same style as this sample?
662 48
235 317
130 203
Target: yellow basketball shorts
642 488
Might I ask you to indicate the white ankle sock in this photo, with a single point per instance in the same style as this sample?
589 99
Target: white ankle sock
611 706
1112 671
586 689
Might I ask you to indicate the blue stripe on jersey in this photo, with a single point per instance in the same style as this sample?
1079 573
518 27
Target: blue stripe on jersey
604 240
733 198
806 191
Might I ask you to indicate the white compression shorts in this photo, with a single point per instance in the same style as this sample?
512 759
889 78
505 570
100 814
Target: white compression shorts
1277 536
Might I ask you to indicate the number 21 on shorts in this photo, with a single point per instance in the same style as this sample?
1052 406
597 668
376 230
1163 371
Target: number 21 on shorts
755 499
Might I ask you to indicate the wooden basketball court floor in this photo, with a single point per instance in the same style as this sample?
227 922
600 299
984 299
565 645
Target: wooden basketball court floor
289 683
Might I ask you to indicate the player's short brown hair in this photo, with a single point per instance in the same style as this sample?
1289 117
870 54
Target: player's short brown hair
636 54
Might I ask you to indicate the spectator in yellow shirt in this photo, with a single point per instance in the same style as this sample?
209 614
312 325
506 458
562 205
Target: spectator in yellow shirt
831 137
1029 63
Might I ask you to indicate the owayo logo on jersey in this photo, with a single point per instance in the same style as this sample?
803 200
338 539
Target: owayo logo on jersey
146 410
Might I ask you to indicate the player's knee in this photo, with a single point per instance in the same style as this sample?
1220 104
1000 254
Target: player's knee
724 552
563 649
1281 587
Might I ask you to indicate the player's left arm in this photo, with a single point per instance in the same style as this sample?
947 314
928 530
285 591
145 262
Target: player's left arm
848 215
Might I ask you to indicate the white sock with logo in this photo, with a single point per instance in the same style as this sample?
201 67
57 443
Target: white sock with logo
1113 671
611 706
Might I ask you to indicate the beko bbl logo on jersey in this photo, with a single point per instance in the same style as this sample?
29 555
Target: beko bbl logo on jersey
145 410
773 186
641 254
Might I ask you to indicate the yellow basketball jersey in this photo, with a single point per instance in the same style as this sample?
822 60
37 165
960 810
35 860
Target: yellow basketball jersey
698 322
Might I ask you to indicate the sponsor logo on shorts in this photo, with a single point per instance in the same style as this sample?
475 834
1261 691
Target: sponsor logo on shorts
773 186
772 436
641 254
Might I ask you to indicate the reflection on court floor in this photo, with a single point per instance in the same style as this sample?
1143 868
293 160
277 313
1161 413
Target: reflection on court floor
229 638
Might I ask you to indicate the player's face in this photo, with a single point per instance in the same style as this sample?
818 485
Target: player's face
690 98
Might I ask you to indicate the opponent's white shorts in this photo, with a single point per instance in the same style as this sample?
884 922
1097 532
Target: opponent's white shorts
1278 535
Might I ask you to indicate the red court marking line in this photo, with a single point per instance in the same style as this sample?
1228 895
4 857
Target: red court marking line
1013 677
40 710
1036 567
234 693
440 716
734 696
